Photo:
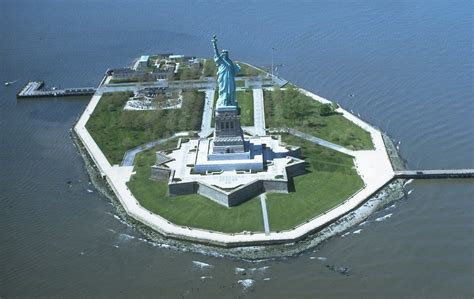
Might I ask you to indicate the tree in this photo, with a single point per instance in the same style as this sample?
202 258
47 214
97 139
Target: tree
326 109
209 68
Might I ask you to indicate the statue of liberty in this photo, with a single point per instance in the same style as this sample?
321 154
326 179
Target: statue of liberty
226 71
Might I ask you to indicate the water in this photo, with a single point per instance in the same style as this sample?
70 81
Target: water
407 63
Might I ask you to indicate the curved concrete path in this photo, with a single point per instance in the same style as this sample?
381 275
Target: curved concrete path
129 156
321 142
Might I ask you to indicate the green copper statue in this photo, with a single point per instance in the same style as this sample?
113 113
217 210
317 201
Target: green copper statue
226 71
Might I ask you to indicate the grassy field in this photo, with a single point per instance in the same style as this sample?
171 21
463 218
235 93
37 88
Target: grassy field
247 70
190 210
185 73
330 180
210 69
239 83
245 100
116 130
290 108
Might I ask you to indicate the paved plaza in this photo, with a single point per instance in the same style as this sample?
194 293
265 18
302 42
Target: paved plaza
226 179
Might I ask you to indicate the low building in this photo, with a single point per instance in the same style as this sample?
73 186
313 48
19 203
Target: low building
164 73
121 73
163 55
127 74
142 63
194 63
176 57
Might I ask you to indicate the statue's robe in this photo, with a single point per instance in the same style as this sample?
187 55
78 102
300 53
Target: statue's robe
226 71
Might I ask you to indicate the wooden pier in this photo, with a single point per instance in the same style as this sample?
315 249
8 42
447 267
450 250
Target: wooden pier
435 174
35 89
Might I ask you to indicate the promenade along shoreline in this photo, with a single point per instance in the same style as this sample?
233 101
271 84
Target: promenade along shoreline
373 166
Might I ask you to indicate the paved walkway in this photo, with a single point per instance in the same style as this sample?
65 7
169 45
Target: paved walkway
263 203
279 81
129 156
321 142
249 130
206 123
258 112
197 84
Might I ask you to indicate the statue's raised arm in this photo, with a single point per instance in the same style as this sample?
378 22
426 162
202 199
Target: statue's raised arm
214 44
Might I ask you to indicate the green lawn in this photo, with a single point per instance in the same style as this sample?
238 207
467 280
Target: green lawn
116 130
190 210
248 70
330 180
239 83
210 69
185 73
245 100
290 108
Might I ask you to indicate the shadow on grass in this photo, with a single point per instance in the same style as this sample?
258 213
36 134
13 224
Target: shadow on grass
291 185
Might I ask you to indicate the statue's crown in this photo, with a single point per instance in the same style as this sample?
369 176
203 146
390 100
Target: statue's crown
225 51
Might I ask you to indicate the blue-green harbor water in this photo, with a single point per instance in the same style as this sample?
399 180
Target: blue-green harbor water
403 66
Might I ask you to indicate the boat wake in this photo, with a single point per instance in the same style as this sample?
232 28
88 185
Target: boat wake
202 265
383 217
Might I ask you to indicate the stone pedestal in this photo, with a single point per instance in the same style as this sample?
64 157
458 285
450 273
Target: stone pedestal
228 135
206 161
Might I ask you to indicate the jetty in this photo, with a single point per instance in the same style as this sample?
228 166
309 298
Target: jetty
435 174
35 89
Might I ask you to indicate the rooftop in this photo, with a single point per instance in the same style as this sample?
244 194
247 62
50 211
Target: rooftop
144 58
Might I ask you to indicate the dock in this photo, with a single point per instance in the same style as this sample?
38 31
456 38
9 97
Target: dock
435 174
35 89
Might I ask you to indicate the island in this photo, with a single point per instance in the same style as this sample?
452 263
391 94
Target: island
224 153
